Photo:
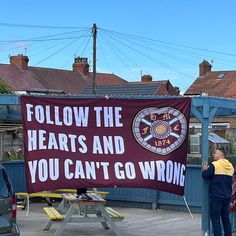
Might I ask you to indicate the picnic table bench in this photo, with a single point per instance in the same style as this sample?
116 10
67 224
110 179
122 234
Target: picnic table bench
82 210
55 194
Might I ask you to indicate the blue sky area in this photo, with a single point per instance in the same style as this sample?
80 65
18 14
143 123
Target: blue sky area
165 38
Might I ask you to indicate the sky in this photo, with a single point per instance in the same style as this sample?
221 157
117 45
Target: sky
164 38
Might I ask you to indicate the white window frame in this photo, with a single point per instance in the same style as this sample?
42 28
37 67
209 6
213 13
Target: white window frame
195 143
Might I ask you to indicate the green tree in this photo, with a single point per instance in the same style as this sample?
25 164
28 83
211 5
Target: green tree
4 88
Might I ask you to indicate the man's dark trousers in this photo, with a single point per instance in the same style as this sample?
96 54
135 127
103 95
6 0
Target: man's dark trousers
219 209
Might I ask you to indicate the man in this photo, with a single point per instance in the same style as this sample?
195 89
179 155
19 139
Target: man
219 173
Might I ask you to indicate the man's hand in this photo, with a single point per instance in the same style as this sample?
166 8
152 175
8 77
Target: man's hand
205 165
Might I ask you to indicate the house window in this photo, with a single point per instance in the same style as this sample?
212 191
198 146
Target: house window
194 143
220 76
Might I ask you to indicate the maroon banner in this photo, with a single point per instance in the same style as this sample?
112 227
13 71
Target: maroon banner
99 142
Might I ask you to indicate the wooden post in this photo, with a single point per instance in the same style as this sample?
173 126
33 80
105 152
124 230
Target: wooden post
94 30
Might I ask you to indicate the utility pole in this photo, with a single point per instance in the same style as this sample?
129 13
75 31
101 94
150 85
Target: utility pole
94 30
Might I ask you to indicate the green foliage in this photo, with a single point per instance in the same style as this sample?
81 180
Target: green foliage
4 88
14 155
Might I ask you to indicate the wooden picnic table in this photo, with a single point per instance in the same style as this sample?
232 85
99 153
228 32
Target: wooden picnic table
65 190
48 195
82 209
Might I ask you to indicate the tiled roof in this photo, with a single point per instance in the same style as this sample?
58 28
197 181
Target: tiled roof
38 78
215 83
21 77
166 88
128 89
69 81
42 78
18 79
108 79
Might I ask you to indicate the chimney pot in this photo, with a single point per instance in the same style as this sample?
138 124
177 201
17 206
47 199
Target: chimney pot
204 67
20 60
146 78
81 64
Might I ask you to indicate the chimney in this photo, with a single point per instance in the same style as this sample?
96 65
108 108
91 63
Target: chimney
81 64
177 90
20 60
204 67
146 78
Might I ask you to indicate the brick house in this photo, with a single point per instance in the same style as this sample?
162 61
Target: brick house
216 84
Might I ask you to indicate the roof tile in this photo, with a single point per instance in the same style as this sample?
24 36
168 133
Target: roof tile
215 83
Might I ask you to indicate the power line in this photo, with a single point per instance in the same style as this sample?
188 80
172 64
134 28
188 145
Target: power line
51 45
103 54
119 58
88 39
39 40
151 58
130 59
170 43
152 49
59 34
67 45
4 24
56 52
86 45
171 48
39 26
